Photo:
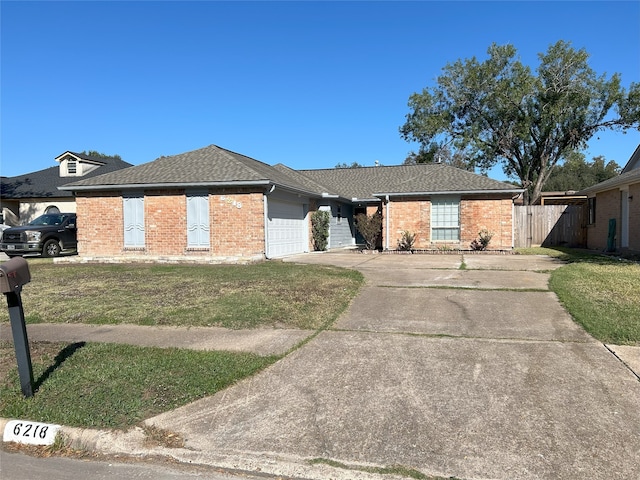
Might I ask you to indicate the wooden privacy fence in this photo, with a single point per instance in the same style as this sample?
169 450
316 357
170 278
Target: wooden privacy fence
549 225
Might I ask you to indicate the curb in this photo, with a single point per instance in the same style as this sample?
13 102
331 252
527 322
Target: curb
131 444
80 438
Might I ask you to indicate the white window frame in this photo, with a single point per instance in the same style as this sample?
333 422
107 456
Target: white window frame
72 167
445 217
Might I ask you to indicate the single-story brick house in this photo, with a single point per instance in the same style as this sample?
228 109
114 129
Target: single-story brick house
614 210
215 205
25 197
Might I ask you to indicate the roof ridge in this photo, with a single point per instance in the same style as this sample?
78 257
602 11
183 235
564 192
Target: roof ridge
431 165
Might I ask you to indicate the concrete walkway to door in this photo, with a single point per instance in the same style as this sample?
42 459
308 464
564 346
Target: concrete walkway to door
473 373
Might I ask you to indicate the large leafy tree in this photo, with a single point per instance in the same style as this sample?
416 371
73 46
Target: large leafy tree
576 173
499 111
434 153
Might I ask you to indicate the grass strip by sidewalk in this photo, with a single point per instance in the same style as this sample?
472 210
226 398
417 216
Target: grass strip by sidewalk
268 294
101 385
601 293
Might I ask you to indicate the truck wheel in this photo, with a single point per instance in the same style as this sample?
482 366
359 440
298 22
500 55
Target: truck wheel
51 248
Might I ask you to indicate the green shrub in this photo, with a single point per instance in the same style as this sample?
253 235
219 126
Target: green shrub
369 227
482 242
320 229
407 241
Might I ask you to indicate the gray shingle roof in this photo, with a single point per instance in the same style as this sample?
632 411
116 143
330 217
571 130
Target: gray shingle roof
206 166
366 182
45 183
213 165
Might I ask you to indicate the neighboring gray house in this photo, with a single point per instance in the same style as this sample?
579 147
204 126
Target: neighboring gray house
27 196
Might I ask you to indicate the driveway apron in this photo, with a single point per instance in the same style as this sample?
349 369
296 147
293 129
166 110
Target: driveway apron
473 372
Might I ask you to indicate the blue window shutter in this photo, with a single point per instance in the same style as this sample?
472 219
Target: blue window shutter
198 220
133 221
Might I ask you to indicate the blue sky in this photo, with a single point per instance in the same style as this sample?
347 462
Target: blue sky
307 84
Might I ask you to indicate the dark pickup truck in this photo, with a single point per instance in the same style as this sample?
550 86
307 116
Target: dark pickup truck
49 235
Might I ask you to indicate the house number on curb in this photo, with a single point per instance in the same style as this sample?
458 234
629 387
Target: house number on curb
230 201
31 433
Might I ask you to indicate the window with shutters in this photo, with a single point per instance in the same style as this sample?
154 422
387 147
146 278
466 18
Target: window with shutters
445 219
133 221
198 220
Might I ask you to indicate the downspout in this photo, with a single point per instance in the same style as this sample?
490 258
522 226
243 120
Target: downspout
265 207
513 226
386 233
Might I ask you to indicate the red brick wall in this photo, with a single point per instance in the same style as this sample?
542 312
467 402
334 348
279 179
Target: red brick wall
494 215
411 215
165 222
476 213
236 224
607 206
100 225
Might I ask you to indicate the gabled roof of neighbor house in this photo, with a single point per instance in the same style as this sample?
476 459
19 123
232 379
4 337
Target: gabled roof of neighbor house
215 166
45 183
89 158
634 161
630 174
627 178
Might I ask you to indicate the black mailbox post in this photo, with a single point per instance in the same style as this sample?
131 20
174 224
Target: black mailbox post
13 275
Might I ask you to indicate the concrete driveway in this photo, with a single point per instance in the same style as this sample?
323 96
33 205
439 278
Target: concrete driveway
474 373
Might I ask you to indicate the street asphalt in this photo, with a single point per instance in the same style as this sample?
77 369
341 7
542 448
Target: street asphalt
449 365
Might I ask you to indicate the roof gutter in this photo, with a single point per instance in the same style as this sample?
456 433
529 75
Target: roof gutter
139 186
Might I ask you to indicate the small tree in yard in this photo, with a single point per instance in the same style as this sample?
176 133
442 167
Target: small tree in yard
320 229
369 227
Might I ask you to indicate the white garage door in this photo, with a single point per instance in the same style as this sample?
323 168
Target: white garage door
286 229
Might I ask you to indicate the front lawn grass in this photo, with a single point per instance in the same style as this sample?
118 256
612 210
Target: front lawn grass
268 294
100 385
601 293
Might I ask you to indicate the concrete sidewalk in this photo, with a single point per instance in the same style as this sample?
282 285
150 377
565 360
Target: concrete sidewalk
491 381
261 341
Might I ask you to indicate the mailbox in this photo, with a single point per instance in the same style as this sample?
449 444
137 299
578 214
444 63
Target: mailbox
14 274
